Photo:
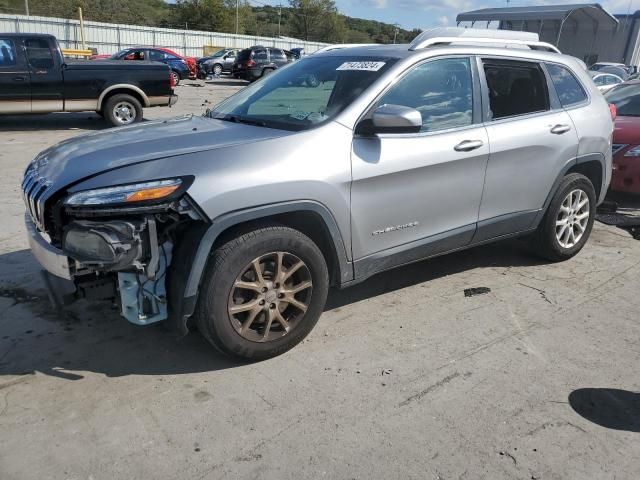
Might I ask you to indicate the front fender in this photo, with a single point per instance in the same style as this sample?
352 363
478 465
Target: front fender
204 238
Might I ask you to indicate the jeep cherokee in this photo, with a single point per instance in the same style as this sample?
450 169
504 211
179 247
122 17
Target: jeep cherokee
342 165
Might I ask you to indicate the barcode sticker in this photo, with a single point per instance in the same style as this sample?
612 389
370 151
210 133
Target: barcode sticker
364 66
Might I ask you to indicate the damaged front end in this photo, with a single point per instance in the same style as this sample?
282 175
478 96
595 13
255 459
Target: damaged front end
115 243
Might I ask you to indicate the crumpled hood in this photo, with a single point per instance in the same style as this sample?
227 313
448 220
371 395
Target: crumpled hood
86 155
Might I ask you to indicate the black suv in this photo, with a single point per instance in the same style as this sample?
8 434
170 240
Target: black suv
255 62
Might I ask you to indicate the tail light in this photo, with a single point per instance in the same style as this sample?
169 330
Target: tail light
172 80
250 63
613 110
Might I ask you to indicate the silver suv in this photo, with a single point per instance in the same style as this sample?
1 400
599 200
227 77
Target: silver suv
337 167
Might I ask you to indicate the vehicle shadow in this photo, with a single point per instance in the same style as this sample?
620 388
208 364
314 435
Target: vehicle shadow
52 121
510 253
608 407
92 337
227 82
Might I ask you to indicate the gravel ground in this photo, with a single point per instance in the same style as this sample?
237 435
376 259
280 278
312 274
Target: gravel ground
533 375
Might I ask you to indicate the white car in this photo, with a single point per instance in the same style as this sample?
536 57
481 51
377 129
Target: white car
605 81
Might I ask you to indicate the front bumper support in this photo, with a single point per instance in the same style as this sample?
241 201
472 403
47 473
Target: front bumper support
51 259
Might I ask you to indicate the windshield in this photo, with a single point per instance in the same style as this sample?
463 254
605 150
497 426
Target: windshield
118 54
304 94
626 98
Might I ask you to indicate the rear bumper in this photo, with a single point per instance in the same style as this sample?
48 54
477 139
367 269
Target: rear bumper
51 259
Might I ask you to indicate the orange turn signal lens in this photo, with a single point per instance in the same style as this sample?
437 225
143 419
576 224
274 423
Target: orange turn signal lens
151 193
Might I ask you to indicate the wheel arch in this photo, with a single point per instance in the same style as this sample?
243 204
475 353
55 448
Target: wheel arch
126 88
591 166
310 217
592 169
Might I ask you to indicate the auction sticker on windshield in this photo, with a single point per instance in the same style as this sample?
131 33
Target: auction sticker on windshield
365 66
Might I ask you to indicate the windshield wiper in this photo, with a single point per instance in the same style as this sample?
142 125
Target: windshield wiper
246 121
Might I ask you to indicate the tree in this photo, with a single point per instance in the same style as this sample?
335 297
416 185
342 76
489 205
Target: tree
315 19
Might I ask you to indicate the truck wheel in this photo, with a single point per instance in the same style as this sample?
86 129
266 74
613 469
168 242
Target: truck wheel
122 109
262 293
568 222
176 78
217 69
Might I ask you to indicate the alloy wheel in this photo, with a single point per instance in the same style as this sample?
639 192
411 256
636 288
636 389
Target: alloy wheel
572 219
124 112
270 297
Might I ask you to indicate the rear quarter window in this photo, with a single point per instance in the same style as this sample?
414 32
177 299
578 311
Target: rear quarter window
568 88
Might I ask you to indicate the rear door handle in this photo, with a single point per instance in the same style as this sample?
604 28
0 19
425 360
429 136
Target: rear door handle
560 129
18 79
468 145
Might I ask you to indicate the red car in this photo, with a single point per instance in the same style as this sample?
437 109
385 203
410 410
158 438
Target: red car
156 54
626 137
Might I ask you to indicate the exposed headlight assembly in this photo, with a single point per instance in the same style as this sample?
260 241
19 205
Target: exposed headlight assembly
633 152
125 194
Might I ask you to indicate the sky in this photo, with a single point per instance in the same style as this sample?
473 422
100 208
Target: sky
430 13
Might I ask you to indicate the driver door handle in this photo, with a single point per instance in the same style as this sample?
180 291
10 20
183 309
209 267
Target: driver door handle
560 129
468 145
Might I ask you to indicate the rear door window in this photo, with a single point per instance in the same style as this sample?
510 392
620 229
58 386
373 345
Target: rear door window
157 55
8 53
38 53
568 88
515 88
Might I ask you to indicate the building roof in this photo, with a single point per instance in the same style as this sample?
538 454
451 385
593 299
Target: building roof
589 11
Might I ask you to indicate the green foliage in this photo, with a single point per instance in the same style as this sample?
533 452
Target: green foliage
315 20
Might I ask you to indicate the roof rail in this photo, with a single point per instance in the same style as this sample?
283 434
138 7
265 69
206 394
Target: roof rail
489 37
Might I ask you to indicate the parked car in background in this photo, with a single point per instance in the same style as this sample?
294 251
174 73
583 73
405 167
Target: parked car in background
611 67
298 52
181 67
256 62
243 218
605 81
341 46
218 63
626 137
36 78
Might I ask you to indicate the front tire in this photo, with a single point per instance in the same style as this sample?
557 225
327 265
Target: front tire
122 109
262 293
176 78
217 69
568 222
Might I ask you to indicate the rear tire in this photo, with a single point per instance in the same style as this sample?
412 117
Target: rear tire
122 109
256 316
568 222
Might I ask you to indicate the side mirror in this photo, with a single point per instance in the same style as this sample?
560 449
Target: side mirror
392 119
